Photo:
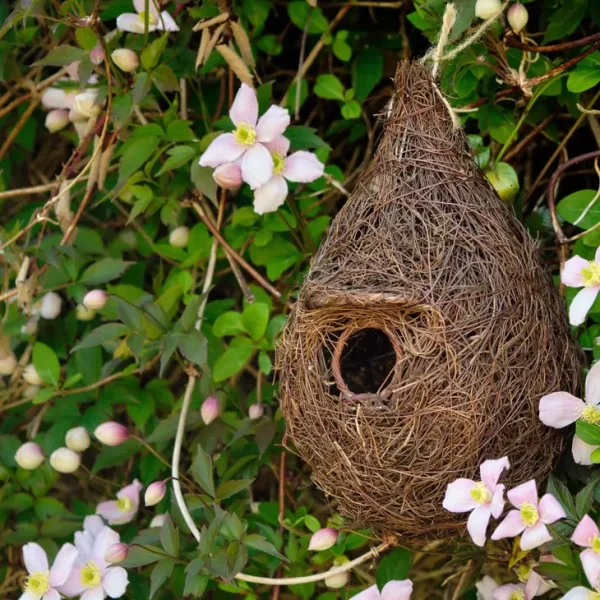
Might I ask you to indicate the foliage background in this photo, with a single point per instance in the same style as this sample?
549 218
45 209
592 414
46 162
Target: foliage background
131 362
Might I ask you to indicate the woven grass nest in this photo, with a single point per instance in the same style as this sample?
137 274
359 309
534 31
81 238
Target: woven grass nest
425 333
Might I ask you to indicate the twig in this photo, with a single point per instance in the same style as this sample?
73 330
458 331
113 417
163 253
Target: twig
18 126
514 42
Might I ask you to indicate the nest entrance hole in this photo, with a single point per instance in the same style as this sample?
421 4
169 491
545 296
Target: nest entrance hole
366 362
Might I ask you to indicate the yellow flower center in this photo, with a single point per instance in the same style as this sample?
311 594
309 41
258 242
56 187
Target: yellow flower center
517 595
278 163
595 543
125 504
245 135
151 18
38 583
594 596
529 514
590 275
590 414
523 572
481 494
90 575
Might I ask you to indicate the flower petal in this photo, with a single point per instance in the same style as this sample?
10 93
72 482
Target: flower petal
272 124
550 509
115 582
302 167
96 593
35 558
586 529
106 538
29 596
397 590
140 6
269 197
526 492
84 541
108 510
478 523
582 451
55 98
245 107
591 567
131 491
511 526
63 565
578 593
257 166
592 386
486 588
72 586
221 150
280 144
371 593
133 23
166 22
51 595
560 409
491 470
504 592
571 273
535 585
497 505
458 496
581 304
94 524
535 536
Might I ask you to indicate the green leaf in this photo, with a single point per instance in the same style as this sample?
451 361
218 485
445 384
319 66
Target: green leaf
202 471
556 571
46 363
178 156
141 87
304 138
255 319
572 207
86 38
195 584
560 491
180 131
229 323
329 87
367 72
193 346
505 181
258 542
102 334
341 48
164 79
299 12
230 488
351 110
140 556
586 74
231 361
203 180
61 56
584 499
169 538
264 363
135 155
105 270
256 11
190 314
588 432
394 565
152 53
43 396
160 573
111 456
311 523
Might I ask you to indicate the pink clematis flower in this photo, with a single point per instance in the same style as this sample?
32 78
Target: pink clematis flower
43 580
300 167
247 142
511 591
579 272
392 590
531 517
581 593
484 498
124 508
60 98
561 409
587 535
92 577
136 22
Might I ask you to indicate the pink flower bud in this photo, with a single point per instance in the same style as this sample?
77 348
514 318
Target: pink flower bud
323 539
97 55
116 553
210 410
57 120
95 300
159 520
517 17
485 9
256 411
78 439
29 456
228 176
127 60
8 364
64 460
178 238
51 305
30 375
155 492
111 433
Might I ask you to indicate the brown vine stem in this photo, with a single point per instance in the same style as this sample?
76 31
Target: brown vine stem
514 42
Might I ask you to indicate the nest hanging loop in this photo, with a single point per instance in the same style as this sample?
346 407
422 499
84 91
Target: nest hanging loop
425 332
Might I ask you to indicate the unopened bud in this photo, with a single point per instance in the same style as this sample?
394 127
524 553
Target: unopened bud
159 520
29 456
486 9
31 391
337 581
30 375
64 460
30 328
155 492
78 439
256 411
97 55
82 313
517 17
116 553
50 306
228 176
210 410
84 106
57 120
179 237
96 299
127 60
8 364
111 433
323 539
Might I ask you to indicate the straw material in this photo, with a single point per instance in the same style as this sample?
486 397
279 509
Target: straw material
425 333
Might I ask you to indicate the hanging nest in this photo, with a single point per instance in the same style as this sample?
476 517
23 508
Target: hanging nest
425 333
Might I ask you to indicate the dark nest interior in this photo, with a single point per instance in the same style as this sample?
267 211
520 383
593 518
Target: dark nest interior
424 334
